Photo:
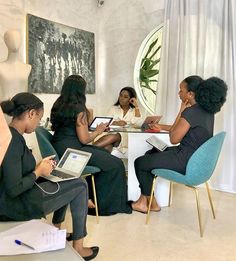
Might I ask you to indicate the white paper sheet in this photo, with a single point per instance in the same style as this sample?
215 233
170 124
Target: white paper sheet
35 233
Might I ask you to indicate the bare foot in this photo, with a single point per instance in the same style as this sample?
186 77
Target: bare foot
156 209
139 207
91 204
154 205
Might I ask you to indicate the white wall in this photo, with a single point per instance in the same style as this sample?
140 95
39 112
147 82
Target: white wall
122 27
12 16
119 27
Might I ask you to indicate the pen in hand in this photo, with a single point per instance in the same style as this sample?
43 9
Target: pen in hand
18 242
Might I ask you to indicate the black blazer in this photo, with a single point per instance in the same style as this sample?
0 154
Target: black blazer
20 198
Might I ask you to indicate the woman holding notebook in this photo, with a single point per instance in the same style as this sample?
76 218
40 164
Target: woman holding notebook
194 125
69 118
24 194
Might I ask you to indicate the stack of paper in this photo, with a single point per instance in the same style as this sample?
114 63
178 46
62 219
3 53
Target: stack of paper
36 236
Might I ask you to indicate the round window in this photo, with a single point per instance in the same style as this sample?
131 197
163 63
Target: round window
146 72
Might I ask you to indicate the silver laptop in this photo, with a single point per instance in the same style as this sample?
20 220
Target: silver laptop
70 166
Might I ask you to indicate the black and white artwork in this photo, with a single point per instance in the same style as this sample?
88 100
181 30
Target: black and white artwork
56 51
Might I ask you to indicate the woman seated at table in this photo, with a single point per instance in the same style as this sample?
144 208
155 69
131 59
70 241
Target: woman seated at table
194 125
69 118
125 112
24 194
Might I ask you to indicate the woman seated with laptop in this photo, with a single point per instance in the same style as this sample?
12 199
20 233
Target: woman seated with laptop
24 193
69 118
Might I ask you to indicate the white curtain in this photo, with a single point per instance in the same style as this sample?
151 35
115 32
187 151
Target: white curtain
200 38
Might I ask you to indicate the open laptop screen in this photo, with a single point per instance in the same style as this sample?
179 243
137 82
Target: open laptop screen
73 161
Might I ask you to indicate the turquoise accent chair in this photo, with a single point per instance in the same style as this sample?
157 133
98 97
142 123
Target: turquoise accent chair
44 138
200 168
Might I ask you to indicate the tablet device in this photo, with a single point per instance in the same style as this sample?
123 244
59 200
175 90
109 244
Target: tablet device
97 120
157 143
150 120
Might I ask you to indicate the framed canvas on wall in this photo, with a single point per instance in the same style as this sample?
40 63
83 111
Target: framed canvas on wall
56 51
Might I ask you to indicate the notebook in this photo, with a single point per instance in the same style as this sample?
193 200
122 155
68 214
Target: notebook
70 166
97 120
150 120
157 143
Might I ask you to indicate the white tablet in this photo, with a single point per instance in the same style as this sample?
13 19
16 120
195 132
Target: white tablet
150 120
98 120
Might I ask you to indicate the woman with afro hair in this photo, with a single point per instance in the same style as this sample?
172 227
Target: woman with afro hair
194 125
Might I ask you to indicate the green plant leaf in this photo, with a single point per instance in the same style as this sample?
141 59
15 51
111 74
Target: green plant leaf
148 73
149 49
159 47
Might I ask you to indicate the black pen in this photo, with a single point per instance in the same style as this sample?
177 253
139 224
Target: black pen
18 242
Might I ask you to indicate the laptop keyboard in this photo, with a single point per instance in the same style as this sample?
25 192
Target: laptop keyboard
61 174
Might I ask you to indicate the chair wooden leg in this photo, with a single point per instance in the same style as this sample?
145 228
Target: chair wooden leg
151 198
198 210
95 199
210 199
170 193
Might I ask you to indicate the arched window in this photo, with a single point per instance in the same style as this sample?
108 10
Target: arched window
146 72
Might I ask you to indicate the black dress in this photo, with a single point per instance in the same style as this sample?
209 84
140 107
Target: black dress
176 158
111 188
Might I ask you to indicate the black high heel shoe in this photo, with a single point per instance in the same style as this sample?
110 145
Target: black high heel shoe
69 237
95 250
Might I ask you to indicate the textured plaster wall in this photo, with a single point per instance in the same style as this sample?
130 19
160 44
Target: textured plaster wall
119 26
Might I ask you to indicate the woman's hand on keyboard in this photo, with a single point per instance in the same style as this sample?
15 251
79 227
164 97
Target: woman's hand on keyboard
45 167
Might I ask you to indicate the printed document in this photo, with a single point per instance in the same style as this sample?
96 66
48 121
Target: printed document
37 234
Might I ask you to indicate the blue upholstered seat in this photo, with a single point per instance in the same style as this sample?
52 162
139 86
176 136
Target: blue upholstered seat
91 170
199 169
44 138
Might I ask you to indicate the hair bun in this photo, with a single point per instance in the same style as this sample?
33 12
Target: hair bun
8 107
211 94
20 103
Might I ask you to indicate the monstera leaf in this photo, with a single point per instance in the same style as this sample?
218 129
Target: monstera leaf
148 72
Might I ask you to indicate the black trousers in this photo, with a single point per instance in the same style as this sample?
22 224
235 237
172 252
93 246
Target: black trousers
73 193
154 159
111 187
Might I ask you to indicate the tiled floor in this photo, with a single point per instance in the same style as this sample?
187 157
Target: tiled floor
172 234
